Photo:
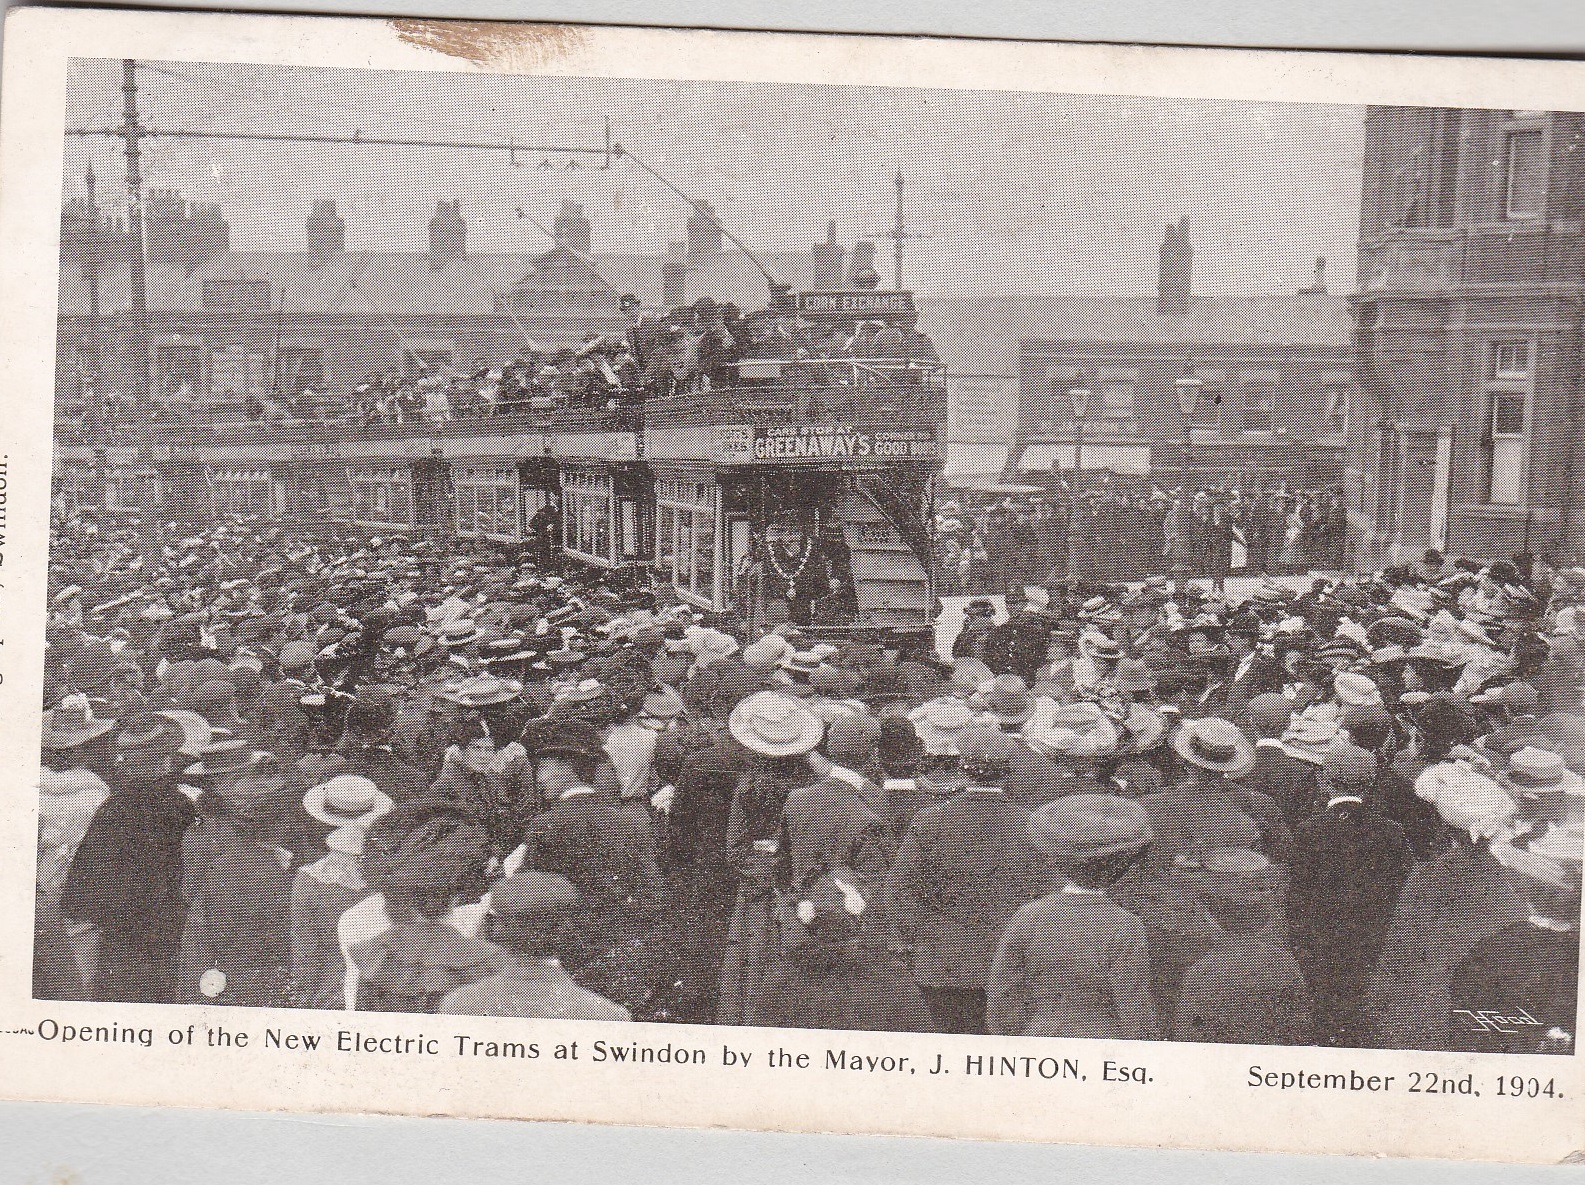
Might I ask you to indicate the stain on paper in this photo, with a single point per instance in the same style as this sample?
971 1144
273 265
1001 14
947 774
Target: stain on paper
498 44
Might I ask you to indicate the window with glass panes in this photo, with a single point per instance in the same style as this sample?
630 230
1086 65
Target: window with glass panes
1525 172
1508 385
382 494
685 543
1335 387
586 509
240 492
1257 410
487 500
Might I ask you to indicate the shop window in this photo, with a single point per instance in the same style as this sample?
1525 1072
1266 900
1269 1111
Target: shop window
685 527
586 515
487 501
382 495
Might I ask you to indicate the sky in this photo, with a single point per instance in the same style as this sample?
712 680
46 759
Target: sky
1016 192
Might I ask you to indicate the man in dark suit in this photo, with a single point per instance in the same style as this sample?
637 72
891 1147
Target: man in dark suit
1253 672
1285 778
1348 867
964 868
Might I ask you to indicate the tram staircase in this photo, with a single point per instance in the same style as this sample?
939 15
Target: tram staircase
891 584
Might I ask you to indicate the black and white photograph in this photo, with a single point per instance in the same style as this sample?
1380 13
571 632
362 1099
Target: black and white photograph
809 556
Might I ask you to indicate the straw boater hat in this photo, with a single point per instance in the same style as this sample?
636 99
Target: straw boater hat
230 758
1533 772
72 724
459 633
1311 738
1142 730
261 774
1008 699
968 675
775 725
197 734
1355 690
481 691
347 800
939 723
1214 744
1132 676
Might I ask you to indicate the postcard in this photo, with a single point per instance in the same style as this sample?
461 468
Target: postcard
993 590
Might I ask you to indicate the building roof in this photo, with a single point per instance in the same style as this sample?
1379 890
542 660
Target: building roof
392 282
397 283
972 335
981 335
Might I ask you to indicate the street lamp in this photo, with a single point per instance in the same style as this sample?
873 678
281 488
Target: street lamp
1188 388
1079 400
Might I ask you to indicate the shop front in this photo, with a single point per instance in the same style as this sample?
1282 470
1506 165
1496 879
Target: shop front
244 493
489 499
382 496
603 513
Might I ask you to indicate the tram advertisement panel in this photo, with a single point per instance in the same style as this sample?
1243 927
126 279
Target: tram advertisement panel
825 442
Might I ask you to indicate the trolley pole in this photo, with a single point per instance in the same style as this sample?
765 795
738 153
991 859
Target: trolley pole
132 132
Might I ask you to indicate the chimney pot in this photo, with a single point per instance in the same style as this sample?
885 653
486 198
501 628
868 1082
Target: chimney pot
1173 276
704 233
448 234
326 232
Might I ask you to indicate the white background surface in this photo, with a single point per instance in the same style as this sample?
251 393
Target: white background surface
111 1146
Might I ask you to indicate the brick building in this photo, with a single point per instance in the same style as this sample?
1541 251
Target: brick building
1271 379
1468 322
224 324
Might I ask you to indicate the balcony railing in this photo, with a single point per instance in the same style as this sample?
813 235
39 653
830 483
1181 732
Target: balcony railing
766 391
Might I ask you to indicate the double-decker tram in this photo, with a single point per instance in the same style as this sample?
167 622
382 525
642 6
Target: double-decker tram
777 465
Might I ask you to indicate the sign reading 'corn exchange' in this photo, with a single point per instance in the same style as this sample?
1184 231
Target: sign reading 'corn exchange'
857 304
827 443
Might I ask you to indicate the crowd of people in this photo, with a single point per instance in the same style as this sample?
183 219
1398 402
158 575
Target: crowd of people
1110 534
690 350
366 774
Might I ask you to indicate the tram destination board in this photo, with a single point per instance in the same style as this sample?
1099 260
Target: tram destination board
824 442
856 305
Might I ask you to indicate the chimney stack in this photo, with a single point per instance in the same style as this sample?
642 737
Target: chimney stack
1173 279
1318 285
448 234
572 228
327 233
704 233
828 259
863 273
674 276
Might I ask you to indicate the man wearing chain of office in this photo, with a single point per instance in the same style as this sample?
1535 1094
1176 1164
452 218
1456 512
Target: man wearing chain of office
803 569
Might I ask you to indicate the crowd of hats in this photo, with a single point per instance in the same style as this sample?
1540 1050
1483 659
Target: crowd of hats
1085 704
